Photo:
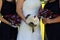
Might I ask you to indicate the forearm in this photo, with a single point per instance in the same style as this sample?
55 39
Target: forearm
5 21
19 5
20 14
0 4
56 20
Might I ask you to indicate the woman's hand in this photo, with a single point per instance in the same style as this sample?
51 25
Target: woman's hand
24 19
15 26
47 21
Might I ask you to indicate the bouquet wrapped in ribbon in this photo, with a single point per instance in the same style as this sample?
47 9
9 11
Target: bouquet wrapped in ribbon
32 21
14 19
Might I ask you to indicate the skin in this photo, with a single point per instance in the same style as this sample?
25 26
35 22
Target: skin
5 21
9 0
19 6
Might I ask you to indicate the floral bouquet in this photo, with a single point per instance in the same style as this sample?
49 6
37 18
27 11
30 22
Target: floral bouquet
32 21
14 19
46 13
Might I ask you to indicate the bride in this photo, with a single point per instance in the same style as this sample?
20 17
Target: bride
25 7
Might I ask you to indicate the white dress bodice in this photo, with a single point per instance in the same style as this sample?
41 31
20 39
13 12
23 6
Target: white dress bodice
31 7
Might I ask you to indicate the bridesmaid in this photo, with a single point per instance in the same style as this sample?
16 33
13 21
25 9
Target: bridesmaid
7 32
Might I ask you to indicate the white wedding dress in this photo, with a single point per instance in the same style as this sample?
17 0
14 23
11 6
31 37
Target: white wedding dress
25 32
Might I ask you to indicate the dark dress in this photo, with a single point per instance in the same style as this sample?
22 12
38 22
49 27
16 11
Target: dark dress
7 32
53 30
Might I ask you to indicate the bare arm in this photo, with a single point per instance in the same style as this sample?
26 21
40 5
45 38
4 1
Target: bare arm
49 21
0 4
5 21
57 19
1 18
19 5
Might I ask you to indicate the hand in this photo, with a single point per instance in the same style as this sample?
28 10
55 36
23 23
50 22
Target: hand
15 26
44 20
24 20
47 21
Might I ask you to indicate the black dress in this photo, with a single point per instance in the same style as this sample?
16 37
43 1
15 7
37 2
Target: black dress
7 32
53 30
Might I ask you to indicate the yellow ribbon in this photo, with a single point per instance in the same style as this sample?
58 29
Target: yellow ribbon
42 29
41 24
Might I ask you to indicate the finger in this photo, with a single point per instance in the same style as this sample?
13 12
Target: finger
44 21
14 26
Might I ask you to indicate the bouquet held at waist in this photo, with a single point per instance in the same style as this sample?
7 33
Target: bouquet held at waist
14 19
32 21
48 14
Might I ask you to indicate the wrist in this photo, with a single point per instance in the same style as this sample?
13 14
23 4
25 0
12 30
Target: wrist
51 21
10 24
24 20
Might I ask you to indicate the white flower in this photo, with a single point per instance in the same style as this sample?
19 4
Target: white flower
33 19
